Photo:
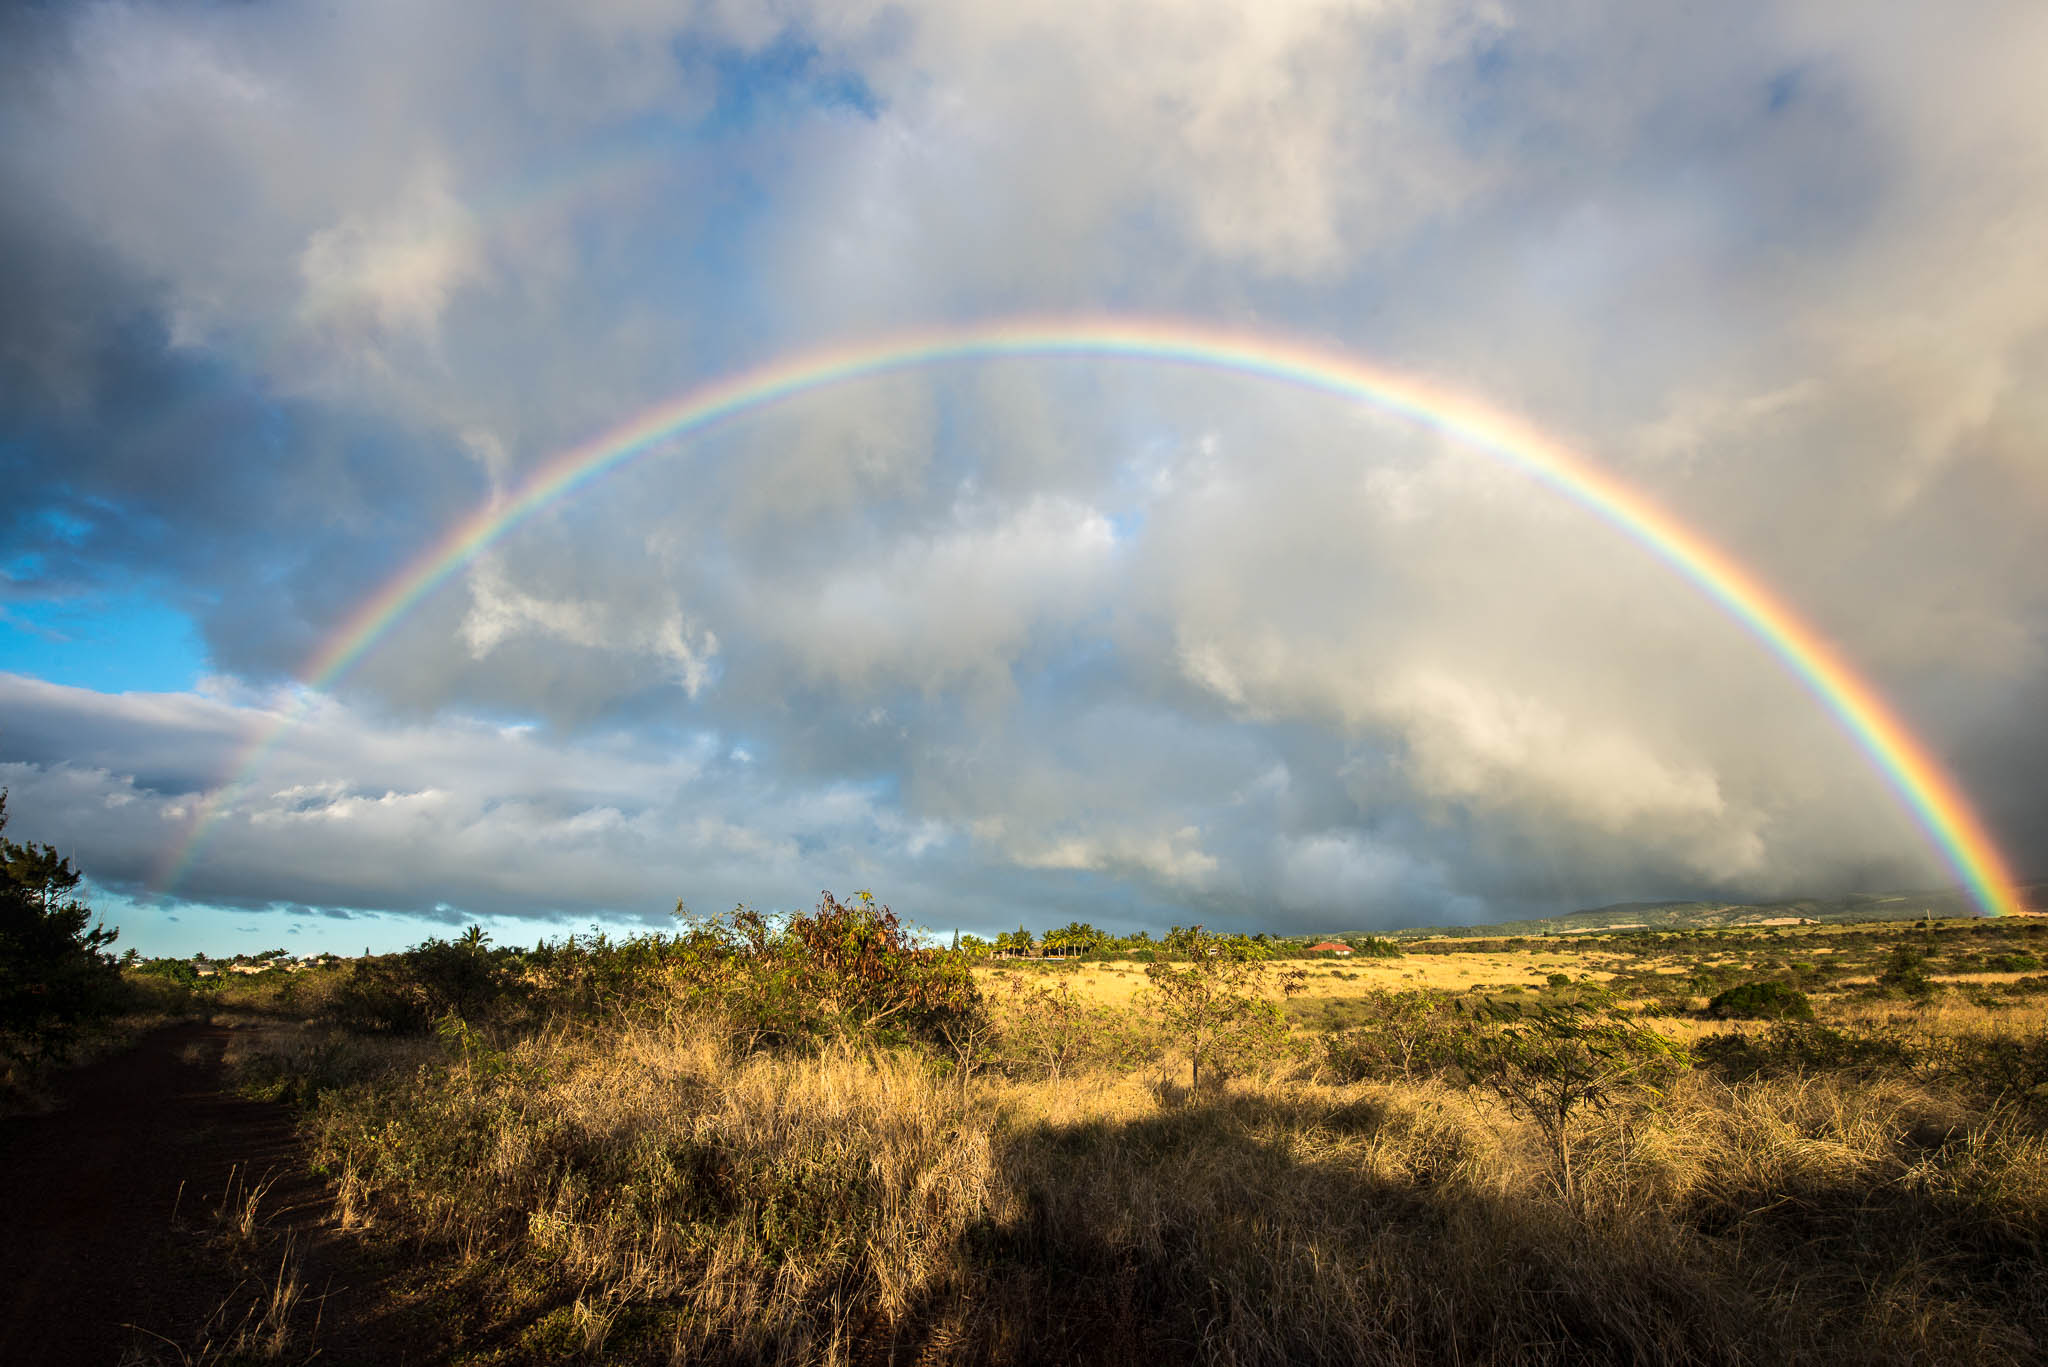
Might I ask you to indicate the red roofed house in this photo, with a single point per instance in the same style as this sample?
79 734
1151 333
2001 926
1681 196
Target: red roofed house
1329 947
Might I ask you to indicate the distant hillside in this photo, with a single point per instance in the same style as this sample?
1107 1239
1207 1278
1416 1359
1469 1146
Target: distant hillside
1884 906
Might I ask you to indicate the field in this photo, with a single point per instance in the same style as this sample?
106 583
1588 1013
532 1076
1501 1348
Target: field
1544 1150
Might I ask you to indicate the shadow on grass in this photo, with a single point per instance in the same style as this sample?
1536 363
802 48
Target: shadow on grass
1248 1229
1253 1227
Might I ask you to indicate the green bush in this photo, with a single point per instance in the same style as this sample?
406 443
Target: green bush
405 994
1905 973
870 978
1761 1001
846 970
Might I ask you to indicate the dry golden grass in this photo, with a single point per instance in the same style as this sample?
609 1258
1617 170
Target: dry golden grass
642 1191
1118 983
643 1194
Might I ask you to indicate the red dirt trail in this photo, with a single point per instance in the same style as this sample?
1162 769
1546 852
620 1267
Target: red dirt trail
105 1204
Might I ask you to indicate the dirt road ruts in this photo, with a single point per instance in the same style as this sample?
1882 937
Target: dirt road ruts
90 1253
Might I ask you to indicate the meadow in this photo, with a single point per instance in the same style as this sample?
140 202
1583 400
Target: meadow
815 1142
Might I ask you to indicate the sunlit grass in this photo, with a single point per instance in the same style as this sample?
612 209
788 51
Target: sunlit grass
649 1187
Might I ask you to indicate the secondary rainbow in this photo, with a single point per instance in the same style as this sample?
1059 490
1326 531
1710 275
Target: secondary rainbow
1924 787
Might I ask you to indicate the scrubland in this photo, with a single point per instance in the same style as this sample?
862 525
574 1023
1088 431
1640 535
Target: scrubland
814 1142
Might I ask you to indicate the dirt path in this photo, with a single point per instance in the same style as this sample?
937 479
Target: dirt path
107 1206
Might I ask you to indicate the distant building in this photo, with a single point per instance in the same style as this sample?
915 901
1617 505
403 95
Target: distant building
1329 947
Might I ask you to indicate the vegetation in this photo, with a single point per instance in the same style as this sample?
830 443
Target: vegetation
1213 1002
55 971
815 1139
1762 1001
1565 1058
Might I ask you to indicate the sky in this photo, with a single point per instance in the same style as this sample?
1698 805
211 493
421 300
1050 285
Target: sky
287 291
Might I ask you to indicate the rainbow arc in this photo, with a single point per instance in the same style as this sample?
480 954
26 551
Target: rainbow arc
1921 783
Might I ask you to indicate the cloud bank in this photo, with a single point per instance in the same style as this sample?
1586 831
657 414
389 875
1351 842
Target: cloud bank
292 289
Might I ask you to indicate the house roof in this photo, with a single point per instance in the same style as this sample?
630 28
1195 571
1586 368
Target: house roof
1330 945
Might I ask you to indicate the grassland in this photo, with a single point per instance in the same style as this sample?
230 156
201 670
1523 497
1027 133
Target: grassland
645 1172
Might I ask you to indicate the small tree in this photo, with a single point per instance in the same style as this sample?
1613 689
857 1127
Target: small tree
1216 1003
1051 1030
970 1039
1564 1058
1404 1032
53 968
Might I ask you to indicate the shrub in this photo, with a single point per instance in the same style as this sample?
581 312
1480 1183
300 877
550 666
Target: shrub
1761 1001
178 971
847 970
407 993
1994 1067
1905 973
857 957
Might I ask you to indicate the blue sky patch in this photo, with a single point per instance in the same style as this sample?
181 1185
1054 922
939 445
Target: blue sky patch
112 643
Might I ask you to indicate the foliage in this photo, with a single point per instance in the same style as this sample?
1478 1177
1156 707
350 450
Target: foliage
1215 1001
1566 1058
846 970
869 977
1905 973
1406 1035
1005 1187
1018 941
407 993
55 972
1761 1001
1075 937
843 1205
1049 1031
178 971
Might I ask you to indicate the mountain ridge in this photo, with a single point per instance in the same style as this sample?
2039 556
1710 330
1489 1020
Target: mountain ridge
1939 904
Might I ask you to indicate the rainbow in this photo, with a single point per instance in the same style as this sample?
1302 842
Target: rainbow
1926 790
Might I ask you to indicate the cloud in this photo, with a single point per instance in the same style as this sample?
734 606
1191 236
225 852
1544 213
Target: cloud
393 274
297 288
498 612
